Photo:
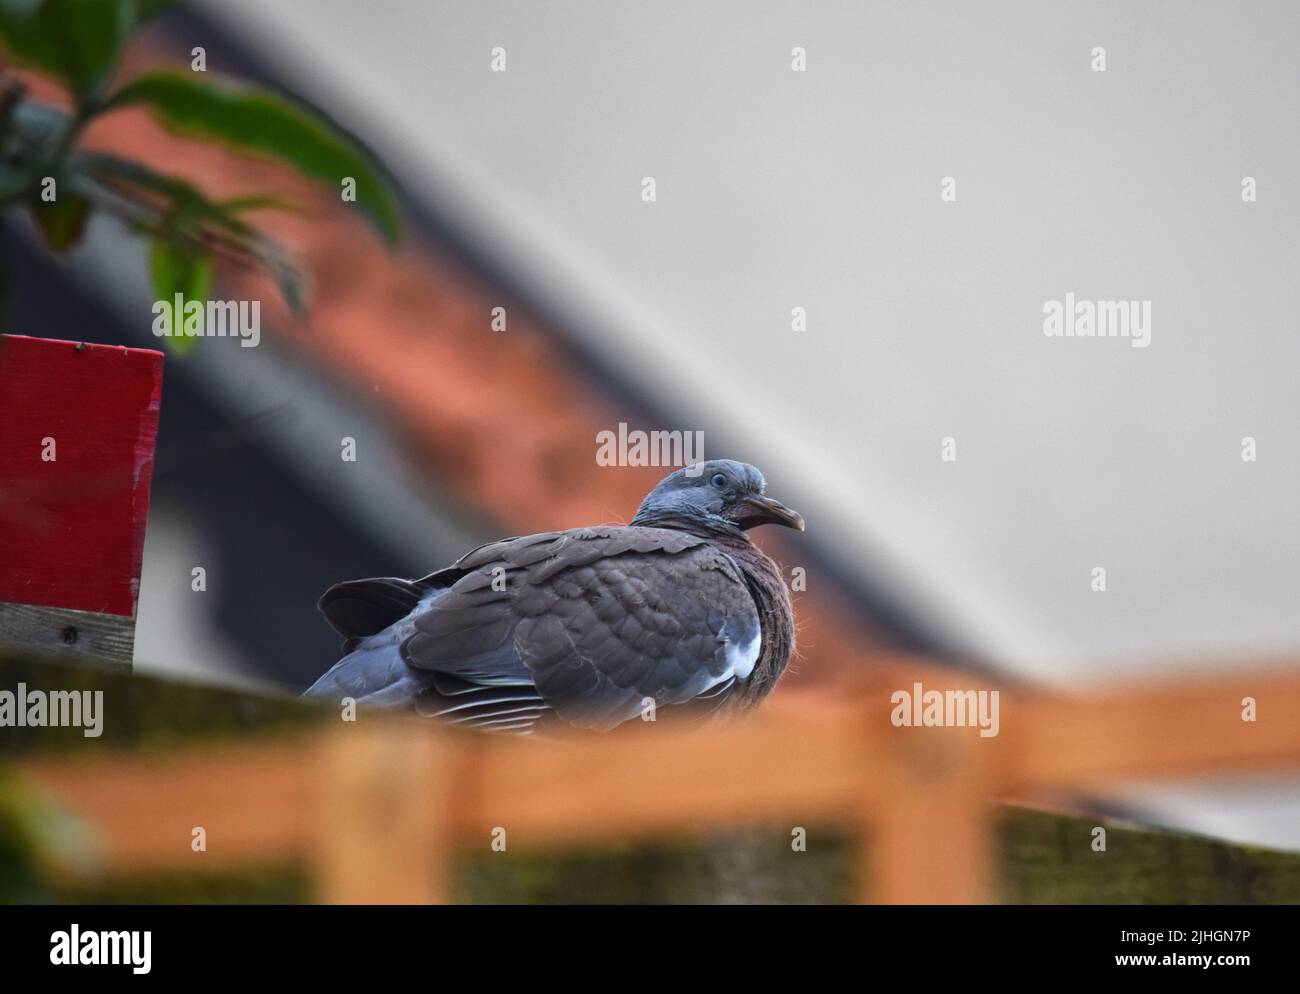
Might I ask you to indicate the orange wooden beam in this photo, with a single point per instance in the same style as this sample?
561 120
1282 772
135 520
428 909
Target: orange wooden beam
252 801
1157 730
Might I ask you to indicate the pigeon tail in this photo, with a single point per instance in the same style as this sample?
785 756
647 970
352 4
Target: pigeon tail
359 608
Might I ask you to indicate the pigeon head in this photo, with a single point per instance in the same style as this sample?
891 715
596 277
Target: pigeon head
718 493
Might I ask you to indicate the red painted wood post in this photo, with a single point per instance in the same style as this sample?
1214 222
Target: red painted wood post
78 424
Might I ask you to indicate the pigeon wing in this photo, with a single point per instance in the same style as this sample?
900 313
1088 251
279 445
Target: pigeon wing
593 621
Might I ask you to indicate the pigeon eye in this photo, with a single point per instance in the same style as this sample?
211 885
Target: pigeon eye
719 480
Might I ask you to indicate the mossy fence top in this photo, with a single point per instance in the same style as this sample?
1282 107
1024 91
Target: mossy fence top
382 808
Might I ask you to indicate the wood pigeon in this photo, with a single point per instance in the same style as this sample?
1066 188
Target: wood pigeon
583 627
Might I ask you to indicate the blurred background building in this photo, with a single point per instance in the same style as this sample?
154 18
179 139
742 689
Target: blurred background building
775 190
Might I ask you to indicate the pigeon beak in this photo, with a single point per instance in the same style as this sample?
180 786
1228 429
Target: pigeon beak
770 511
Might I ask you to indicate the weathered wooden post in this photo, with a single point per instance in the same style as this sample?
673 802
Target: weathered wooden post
385 834
78 424
931 841
928 829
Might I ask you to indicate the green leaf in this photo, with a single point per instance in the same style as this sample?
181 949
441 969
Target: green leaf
183 200
258 121
256 202
77 41
61 221
170 209
28 35
179 268
288 278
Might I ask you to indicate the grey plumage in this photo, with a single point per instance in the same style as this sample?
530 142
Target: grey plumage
581 627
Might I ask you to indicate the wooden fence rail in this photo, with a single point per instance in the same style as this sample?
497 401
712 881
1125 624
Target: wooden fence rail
379 807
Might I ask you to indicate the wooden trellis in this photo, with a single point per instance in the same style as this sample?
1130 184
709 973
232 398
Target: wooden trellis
380 807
